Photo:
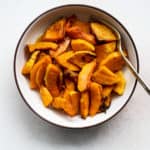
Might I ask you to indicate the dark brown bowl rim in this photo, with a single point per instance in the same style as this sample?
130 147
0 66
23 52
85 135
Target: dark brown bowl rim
72 5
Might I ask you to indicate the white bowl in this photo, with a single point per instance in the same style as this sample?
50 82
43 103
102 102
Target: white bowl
32 98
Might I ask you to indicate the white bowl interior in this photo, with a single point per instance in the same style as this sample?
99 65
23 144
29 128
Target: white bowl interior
32 97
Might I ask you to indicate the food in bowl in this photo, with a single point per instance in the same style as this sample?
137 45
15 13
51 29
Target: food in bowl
76 67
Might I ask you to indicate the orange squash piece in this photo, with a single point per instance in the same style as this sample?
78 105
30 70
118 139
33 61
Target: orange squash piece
42 46
51 78
46 96
103 50
71 105
63 61
120 86
105 76
80 44
102 32
84 104
80 58
73 21
58 102
96 98
63 46
44 61
114 61
39 78
107 91
56 31
29 64
85 75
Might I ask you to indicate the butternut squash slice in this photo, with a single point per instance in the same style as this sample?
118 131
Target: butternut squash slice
44 61
51 78
62 47
42 46
105 76
96 98
39 78
56 31
80 58
80 44
29 64
45 96
114 61
76 33
84 104
103 50
85 75
58 102
102 32
63 61
120 86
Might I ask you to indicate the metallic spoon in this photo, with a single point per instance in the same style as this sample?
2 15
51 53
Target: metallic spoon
119 46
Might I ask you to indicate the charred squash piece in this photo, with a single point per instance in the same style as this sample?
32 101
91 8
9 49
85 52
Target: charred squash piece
80 58
85 75
102 32
105 76
45 96
56 31
114 61
44 61
106 96
80 44
51 78
42 46
120 86
96 98
29 64
84 104
76 33
62 47
74 21
63 61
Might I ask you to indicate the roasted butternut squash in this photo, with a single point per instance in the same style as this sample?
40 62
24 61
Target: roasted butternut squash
114 61
29 64
42 46
102 32
51 78
85 75
96 98
80 58
105 76
80 44
42 62
45 96
56 31
84 104
63 61
120 86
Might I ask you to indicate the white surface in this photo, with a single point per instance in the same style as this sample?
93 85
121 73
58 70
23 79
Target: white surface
21 129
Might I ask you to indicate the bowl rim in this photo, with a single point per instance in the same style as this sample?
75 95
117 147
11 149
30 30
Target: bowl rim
48 11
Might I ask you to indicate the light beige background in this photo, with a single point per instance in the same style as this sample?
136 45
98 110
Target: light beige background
21 129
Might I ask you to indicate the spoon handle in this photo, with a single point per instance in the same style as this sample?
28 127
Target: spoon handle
137 75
